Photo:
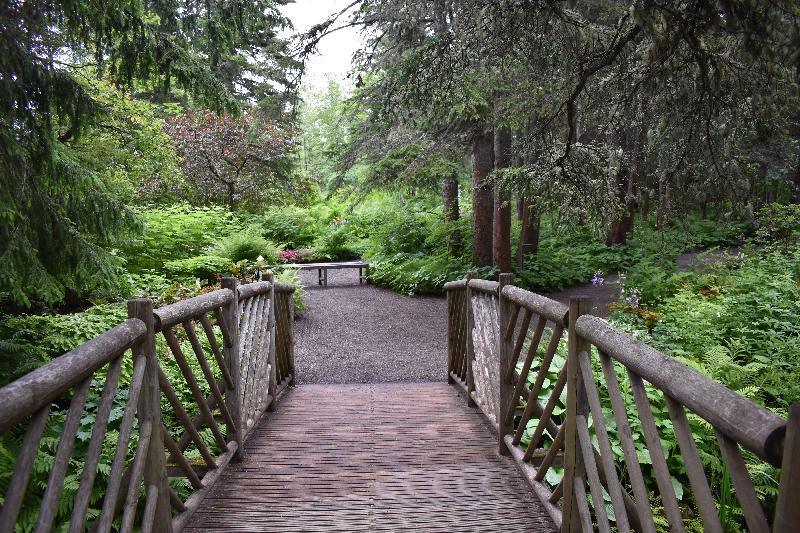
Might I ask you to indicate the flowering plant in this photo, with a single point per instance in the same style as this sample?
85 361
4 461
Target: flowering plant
288 256
598 279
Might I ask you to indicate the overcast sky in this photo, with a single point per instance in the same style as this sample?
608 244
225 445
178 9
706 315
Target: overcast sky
335 50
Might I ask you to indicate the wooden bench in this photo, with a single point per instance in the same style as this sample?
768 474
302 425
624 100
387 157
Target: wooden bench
322 269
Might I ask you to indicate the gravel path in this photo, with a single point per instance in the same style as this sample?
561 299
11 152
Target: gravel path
353 333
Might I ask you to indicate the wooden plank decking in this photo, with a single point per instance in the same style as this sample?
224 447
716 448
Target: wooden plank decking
380 457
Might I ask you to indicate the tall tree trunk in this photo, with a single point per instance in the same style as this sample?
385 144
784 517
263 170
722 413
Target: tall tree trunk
622 227
451 212
501 247
482 202
529 233
663 202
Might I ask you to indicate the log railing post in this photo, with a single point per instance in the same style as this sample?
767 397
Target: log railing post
272 389
451 335
290 335
233 401
577 405
787 514
155 472
505 350
470 355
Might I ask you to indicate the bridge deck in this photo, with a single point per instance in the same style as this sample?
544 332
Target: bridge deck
382 457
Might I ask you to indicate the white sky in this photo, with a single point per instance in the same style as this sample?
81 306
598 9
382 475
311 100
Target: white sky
335 51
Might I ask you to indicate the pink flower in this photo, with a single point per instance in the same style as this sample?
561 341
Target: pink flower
289 255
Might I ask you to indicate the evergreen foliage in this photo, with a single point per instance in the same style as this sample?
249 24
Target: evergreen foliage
58 217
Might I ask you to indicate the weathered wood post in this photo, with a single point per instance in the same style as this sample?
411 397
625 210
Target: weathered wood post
233 399
470 355
290 334
505 351
451 335
787 514
577 404
272 389
155 472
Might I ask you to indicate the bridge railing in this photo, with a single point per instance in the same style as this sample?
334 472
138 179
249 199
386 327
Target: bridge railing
230 352
581 427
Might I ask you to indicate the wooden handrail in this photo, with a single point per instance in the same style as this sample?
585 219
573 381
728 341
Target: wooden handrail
244 375
756 428
577 502
485 286
253 289
538 304
36 389
173 314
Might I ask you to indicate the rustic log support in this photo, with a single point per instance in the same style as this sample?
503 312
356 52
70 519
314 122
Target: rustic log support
505 350
155 474
470 346
230 312
787 514
576 406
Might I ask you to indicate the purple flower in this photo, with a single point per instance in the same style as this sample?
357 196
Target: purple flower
634 297
598 279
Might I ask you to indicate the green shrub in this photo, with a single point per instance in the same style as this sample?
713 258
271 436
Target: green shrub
27 341
293 226
206 267
247 246
336 243
290 276
176 232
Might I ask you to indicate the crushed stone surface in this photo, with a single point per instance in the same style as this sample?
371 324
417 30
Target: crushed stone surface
351 333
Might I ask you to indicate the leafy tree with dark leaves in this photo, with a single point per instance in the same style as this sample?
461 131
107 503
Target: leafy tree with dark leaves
236 161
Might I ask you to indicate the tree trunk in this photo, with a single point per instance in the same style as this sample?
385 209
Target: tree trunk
231 197
529 233
451 213
482 202
501 248
663 202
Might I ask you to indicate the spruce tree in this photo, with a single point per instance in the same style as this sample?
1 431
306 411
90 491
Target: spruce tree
58 220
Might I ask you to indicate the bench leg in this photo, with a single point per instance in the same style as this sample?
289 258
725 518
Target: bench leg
325 276
360 275
319 276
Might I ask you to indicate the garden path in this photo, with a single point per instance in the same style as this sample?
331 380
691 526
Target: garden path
353 333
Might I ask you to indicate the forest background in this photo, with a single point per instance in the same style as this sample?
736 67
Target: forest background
150 147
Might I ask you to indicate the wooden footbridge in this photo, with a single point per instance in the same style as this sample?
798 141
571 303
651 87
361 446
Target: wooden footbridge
185 418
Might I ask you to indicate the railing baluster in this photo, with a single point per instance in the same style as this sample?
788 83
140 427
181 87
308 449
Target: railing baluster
592 476
93 452
231 316
22 469
188 327
577 307
184 419
470 352
137 472
547 412
653 440
212 341
506 400
787 514
743 486
523 334
694 468
178 457
272 389
55 482
607 456
646 523
191 381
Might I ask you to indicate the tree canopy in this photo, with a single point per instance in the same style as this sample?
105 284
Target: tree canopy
59 219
